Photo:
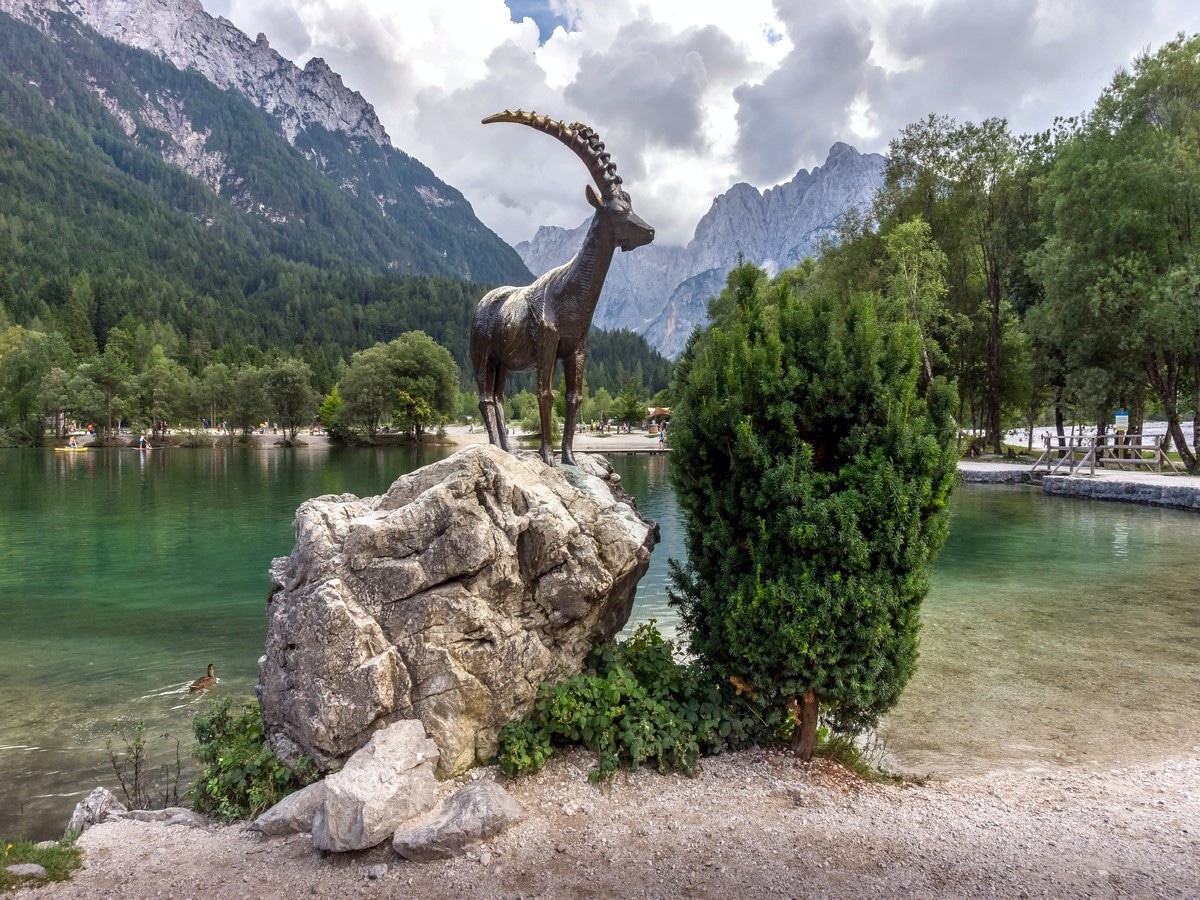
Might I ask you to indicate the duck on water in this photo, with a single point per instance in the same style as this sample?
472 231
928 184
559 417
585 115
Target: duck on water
204 682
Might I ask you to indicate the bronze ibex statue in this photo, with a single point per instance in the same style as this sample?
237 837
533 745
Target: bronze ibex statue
515 329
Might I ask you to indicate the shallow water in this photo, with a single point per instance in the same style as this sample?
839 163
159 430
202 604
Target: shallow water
122 575
1057 631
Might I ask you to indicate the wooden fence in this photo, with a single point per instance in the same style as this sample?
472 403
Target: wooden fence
1117 451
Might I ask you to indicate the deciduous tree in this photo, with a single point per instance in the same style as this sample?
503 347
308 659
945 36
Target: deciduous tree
630 405
411 381
967 182
250 404
1121 203
289 388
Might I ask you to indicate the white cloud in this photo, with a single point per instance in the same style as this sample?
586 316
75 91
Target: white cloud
692 97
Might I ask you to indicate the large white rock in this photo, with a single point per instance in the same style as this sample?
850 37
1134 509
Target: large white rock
383 785
449 599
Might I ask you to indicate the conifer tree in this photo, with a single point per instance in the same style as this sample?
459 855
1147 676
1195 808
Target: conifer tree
813 477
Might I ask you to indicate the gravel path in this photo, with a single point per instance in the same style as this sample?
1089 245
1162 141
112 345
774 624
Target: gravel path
755 824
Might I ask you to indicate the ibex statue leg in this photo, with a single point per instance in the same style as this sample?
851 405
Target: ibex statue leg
498 407
490 383
573 378
545 376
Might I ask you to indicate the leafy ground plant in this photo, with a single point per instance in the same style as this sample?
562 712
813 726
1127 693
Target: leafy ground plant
240 776
633 705
59 860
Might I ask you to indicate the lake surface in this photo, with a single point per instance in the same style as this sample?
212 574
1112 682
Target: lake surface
1056 632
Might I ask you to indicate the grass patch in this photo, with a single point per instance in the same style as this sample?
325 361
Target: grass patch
60 861
855 754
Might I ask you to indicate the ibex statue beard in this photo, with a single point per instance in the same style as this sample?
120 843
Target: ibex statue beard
515 329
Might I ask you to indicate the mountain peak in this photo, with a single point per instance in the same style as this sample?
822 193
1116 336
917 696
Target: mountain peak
339 191
318 66
662 292
181 32
839 149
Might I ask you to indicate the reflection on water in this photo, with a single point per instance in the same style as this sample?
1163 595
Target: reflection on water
1057 631
645 477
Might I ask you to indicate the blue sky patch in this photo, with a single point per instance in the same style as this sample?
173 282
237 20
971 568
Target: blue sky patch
538 10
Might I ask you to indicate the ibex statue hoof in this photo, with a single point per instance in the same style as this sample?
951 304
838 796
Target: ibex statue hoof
516 329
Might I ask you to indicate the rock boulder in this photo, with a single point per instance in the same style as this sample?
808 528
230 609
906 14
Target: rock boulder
97 807
472 814
382 786
449 599
293 814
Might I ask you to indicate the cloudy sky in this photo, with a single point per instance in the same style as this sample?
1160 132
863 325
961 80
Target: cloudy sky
692 96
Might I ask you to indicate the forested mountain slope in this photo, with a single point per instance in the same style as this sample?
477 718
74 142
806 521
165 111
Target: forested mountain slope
301 156
134 192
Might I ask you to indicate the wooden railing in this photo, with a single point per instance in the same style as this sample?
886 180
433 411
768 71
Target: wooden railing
1119 451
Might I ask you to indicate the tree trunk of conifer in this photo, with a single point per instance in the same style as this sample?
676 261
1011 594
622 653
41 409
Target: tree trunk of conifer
804 738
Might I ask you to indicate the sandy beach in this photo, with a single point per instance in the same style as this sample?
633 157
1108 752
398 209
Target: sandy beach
463 435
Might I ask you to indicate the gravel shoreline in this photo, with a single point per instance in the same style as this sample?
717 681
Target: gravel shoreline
752 824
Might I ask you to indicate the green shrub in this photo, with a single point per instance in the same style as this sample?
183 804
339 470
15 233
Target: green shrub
240 777
633 705
195 439
21 436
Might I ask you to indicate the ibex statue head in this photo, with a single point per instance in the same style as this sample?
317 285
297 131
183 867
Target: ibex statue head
630 230
515 329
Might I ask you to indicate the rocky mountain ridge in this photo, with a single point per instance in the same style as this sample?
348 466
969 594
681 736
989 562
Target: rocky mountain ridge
662 292
182 32
417 223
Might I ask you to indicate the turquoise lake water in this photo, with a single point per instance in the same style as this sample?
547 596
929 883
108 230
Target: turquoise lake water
1056 631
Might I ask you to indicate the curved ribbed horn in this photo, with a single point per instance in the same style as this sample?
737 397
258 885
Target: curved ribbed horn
579 137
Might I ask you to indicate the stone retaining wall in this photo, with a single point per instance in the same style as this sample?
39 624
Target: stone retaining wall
1172 496
996 476
1168 492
